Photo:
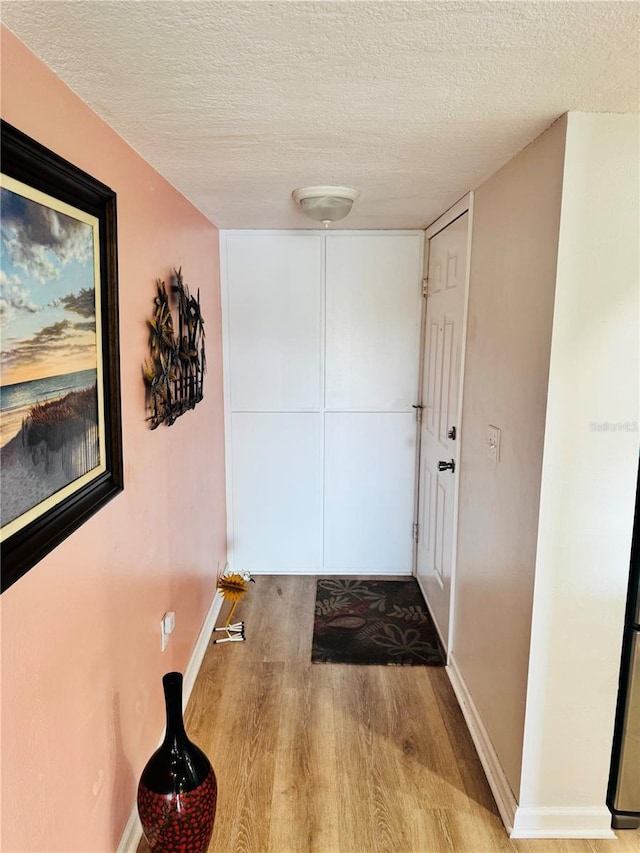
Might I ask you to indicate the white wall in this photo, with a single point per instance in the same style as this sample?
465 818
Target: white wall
588 484
513 268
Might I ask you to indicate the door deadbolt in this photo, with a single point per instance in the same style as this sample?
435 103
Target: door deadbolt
447 466
452 434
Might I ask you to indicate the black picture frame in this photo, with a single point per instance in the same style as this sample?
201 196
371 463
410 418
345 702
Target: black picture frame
27 161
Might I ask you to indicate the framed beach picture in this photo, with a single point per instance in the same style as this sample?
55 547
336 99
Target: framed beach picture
60 430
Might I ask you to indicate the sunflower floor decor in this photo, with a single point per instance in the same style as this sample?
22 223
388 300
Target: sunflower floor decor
233 586
373 622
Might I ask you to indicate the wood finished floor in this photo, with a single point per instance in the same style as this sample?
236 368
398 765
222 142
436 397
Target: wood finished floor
340 759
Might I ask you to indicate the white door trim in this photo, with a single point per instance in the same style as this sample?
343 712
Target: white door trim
464 205
455 211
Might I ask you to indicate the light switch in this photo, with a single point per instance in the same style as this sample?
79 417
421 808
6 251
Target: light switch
493 443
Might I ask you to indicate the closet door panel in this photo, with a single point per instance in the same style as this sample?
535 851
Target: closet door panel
277 492
369 491
372 321
274 319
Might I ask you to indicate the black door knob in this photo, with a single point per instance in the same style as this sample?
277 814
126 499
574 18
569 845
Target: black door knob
447 466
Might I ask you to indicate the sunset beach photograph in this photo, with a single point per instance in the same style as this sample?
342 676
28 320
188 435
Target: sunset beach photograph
50 388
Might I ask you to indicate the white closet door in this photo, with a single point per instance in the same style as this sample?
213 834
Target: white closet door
369 491
274 322
373 306
322 371
373 322
277 492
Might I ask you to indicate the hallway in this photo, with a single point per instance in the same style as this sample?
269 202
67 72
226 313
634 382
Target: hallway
340 759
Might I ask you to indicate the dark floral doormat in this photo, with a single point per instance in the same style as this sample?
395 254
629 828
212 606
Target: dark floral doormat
373 622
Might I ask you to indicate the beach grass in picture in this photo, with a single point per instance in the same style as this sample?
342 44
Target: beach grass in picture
60 437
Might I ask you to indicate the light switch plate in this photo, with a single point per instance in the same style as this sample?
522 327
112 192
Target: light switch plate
167 625
493 443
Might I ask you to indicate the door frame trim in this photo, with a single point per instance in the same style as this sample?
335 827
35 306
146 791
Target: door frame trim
464 205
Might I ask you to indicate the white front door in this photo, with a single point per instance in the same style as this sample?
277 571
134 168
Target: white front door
439 434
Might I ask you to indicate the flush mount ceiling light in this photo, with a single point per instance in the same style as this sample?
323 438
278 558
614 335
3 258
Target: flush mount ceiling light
325 204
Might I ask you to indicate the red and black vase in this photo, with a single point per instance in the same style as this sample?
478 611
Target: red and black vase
178 791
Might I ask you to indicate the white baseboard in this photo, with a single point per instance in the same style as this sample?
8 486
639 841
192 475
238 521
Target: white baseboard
561 822
133 830
496 777
520 821
132 834
200 648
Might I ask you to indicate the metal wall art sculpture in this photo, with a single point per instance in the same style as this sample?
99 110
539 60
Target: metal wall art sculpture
174 376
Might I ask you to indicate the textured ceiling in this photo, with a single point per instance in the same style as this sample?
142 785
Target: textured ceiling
414 103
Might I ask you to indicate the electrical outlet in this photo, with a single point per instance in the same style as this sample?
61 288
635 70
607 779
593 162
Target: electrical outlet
493 443
167 624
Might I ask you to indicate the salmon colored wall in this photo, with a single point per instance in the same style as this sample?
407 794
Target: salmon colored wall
82 706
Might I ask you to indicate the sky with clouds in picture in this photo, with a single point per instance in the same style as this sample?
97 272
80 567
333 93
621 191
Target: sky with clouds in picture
47 307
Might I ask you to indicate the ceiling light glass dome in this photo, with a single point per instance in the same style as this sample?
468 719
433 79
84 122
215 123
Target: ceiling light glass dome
326 204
